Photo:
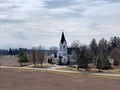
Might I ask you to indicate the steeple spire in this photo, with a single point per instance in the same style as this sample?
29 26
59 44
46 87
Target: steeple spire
63 38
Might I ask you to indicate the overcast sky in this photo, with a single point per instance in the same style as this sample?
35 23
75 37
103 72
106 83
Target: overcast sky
27 23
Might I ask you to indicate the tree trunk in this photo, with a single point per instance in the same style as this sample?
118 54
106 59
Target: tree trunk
78 68
99 70
41 64
86 67
21 64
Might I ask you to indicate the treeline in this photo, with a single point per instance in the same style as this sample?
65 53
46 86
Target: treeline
98 53
13 51
16 51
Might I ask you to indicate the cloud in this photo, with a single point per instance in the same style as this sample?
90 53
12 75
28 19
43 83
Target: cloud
33 22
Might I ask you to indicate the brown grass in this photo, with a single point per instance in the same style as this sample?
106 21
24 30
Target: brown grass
18 79
7 60
110 71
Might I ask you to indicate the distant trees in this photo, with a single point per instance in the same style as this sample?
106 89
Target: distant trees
100 53
114 42
15 51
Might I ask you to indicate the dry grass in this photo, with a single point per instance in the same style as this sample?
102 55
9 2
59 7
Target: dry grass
19 79
110 71
44 65
7 60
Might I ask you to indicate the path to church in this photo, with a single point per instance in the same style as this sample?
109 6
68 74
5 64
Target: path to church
56 67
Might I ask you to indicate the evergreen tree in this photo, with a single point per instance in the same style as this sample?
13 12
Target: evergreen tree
22 58
10 51
93 46
103 62
106 63
114 42
99 64
103 46
83 58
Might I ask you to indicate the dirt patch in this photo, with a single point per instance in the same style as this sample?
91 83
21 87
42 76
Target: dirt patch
15 79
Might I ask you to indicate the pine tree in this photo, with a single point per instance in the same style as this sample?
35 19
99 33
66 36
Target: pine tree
103 62
22 58
83 58
106 63
93 46
10 51
99 64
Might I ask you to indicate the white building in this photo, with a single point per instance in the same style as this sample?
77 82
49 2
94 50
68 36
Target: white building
65 55
62 52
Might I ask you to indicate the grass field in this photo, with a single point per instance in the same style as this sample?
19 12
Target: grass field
110 71
18 79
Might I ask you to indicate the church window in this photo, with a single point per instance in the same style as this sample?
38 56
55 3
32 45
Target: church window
64 54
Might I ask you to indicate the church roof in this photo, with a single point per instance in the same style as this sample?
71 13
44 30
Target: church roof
62 38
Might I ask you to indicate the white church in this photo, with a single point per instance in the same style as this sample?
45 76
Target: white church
62 52
65 55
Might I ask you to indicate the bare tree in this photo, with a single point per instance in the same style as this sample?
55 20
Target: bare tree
53 49
115 54
34 56
75 44
41 55
38 55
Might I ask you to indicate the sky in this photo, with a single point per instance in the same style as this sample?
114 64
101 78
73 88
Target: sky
28 23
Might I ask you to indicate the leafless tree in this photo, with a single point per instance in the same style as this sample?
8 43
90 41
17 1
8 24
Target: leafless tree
41 55
37 56
115 54
75 44
33 56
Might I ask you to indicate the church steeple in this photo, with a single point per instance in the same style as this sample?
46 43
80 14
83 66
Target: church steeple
62 38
